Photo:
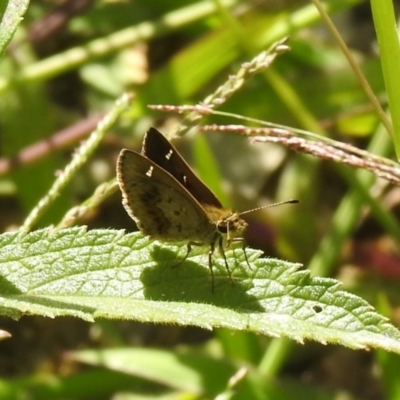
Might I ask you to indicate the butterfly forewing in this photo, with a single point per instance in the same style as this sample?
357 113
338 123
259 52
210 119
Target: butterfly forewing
158 149
160 205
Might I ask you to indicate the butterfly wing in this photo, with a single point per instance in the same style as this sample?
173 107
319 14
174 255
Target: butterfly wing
158 203
158 149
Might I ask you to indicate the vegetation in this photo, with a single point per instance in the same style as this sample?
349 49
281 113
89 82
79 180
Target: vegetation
271 103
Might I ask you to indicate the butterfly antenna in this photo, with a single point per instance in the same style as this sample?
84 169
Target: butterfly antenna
292 201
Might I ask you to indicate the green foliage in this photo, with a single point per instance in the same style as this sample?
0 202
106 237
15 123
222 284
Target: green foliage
85 274
103 276
11 13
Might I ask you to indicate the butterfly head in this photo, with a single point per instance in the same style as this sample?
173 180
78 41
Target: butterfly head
231 225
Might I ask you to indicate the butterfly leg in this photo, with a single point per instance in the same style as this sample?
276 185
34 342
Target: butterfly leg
210 254
243 248
222 251
188 250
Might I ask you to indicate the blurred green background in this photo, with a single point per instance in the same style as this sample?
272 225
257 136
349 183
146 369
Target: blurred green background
68 62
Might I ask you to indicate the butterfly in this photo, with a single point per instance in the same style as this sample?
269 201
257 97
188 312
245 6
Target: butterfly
170 203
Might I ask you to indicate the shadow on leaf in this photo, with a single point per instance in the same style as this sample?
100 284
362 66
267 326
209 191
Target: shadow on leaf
190 281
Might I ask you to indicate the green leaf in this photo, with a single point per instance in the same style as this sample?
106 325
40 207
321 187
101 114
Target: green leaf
197 373
191 372
11 13
105 273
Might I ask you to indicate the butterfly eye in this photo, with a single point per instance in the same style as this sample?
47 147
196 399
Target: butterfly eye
222 227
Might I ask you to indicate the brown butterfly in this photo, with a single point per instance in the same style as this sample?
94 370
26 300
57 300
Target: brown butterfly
170 203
